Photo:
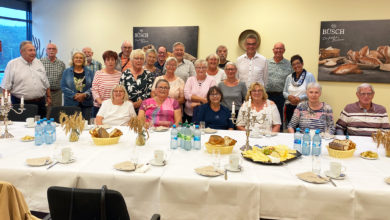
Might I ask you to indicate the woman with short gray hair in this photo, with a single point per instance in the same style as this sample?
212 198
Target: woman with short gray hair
213 70
150 59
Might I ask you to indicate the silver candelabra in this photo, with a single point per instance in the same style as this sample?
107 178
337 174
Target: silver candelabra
249 120
5 108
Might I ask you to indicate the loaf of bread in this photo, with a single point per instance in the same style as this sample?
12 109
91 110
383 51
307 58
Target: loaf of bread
342 145
229 141
103 133
216 140
115 133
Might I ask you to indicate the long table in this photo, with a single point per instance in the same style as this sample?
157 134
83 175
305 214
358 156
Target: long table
177 192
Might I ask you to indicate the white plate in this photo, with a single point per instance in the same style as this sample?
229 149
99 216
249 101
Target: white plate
368 158
32 164
231 169
27 140
161 129
256 136
387 180
210 131
341 177
66 162
154 163
33 126
327 137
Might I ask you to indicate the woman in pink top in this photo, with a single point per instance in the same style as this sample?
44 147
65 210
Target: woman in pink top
160 110
105 80
196 88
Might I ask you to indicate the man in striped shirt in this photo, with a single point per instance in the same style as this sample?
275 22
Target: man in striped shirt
362 117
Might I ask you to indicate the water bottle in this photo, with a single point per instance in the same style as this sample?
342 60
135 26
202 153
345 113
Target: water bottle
306 142
48 133
44 121
316 144
187 138
298 140
174 137
53 124
180 135
192 128
38 134
197 138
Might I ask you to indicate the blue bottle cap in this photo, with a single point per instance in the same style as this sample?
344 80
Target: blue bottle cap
174 126
317 131
298 129
197 126
307 130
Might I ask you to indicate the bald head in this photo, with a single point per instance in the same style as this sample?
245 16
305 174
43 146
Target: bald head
127 47
88 54
51 51
278 51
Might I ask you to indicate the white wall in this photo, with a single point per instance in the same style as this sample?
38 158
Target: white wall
104 24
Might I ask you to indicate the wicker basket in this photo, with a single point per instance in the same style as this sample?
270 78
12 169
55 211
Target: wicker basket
340 153
222 148
105 141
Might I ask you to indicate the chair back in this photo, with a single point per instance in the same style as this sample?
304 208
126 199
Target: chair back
74 203
69 110
30 111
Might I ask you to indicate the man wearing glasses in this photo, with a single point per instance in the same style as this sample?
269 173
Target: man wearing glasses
363 117
123 63
252 66
161 58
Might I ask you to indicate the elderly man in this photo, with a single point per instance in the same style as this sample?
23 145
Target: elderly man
92 64
222 53
54 68
278 69
185 68
161 58
123 62
362 117
251 66
25 77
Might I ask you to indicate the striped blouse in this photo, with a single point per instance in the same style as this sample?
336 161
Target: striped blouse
102 85
305 117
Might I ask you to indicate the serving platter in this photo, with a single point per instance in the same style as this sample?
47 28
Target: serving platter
296 155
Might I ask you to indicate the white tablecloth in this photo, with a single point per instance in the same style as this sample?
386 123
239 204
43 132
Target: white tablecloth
177 192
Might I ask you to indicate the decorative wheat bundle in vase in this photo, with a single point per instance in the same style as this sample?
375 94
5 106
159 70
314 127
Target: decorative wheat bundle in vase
73 124
138 126
382 137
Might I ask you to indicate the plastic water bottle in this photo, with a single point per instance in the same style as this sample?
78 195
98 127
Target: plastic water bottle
306 143
298 140
48 133
180 135
174 137
316 144
187 138
197 138
192 128
53 124
38 134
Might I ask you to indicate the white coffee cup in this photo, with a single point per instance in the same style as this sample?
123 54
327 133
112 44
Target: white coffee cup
234 161
66 154
336 169
159 156
30 122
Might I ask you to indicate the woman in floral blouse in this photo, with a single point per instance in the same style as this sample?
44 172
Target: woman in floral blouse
136 80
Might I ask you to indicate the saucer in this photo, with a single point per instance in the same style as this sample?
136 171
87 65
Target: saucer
256 136
154 163
231 169
341 177
29 126
66 162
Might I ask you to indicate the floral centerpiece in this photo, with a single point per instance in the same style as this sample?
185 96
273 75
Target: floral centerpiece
382 137
138 126
73 124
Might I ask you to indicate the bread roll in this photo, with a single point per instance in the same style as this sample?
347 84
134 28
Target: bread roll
342 145
229 141
103 133
216 140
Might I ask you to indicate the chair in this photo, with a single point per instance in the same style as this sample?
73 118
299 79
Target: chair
69 110
30 111
74 203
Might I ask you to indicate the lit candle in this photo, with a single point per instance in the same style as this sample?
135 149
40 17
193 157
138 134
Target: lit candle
22 100
9 99
250 102
5 94
233 108
2 101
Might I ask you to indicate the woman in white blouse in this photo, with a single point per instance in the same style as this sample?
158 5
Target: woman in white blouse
116 111
213 70
261 107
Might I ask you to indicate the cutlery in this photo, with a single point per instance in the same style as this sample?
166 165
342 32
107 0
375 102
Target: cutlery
330 180
52 165
226 177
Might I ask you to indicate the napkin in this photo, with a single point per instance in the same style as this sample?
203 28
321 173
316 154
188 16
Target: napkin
125 166
312 177
39 161
142 168
208 171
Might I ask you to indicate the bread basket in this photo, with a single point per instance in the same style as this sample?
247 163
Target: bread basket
222 148
105 141
340 153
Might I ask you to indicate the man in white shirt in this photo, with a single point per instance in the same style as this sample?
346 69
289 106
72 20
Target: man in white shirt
26 77
252 66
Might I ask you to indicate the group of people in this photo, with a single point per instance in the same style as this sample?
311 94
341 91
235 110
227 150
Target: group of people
169 89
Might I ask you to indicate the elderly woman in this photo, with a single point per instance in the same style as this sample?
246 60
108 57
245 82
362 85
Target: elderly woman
295 86
261 107
161 110
136 80
213 70
76 85
234 91
312 113
176 84
196 89
105 80
151 58
213 113
116 111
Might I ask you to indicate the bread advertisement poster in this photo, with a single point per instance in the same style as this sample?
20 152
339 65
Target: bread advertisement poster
355 51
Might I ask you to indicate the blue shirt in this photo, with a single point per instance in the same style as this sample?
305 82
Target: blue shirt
215 120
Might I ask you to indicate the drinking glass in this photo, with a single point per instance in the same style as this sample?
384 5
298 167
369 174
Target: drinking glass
91 122
202 126
37 118
216 158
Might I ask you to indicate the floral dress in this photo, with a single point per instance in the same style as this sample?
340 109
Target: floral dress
139 88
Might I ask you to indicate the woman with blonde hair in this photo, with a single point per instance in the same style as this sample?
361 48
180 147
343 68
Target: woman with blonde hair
260 107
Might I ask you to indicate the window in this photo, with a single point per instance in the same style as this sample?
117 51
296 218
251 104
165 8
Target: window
15 27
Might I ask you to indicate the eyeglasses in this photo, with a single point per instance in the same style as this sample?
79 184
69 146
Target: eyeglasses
366 94
257 91
215 95
251 44
163 88
230 69
128 48
201 67
119 91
